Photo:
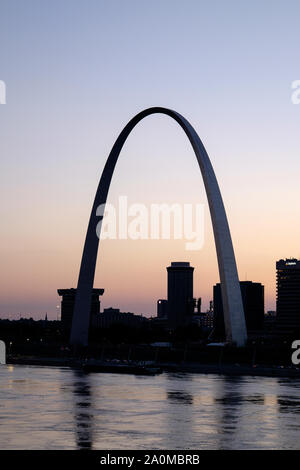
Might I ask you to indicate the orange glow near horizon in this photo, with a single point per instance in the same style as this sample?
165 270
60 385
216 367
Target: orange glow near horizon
48 211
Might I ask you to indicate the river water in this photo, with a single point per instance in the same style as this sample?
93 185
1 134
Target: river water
61 408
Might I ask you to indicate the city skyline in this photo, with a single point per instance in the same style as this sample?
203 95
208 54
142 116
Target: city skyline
66 114
231 294
149 185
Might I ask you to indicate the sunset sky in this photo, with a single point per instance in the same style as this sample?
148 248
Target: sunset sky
76 72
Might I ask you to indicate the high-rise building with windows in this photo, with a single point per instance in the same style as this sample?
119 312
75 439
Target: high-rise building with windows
288 295
68 302
253 302
180 294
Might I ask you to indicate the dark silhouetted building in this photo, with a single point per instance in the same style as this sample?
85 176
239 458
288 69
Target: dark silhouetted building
203 319
112 316
270 321
180 294
253 302
288 295
162 308
67 306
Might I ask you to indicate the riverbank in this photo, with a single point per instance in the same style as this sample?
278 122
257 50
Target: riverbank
233 369
46 361
192 367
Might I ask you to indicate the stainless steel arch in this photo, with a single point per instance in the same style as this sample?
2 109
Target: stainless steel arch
231 294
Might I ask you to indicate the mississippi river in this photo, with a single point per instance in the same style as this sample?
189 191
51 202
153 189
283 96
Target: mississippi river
61 408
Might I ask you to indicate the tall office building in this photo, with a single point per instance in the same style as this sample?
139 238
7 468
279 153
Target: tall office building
180 294
253 302
288 295
67 306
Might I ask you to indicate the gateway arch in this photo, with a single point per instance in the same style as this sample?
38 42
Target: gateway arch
235 326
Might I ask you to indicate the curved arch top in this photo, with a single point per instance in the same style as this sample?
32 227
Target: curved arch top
231 294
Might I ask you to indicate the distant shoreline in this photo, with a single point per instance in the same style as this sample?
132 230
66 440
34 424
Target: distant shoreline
197 368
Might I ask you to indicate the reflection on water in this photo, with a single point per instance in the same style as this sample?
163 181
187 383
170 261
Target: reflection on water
83 412
181 397
230 400
60 408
